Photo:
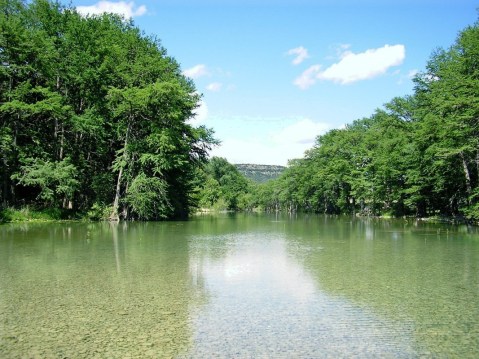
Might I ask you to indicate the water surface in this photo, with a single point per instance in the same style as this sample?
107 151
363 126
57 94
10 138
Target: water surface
243 286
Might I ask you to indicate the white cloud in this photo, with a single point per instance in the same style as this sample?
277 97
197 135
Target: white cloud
308 78
303 132
301 54
238 150
126 9
200 114
196 71
215 86
371 63
286 142
250 266
355 67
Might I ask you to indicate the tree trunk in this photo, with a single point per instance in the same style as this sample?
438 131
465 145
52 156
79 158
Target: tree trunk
62 140
15 161
56 131
477 167
115 215
468 177
59 131
5 182
124 211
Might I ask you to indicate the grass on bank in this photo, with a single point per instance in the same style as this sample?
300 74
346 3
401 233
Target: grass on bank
98 212
28 214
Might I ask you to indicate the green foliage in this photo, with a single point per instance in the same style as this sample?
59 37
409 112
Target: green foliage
471 211
54 179
90 111
418 155
148 197
210 194
224 187
99 212
25 214
94 119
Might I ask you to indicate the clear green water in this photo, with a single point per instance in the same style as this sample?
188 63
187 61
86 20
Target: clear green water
244 286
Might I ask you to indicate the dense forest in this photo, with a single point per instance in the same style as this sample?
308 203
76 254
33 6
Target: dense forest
94 117
418 155
94 121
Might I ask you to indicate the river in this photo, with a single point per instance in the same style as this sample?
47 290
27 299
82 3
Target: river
239 286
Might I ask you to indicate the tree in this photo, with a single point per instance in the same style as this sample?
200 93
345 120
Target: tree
449 104
418 155
55 180
94 96
224 184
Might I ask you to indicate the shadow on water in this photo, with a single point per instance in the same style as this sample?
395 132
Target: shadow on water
97 290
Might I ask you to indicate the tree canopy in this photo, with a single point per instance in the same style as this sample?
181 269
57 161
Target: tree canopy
94 117
94 114
418 155
224 187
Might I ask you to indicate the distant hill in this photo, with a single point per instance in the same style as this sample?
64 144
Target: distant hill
260 173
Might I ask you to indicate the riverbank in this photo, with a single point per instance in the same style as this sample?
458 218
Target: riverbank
27 214
433 219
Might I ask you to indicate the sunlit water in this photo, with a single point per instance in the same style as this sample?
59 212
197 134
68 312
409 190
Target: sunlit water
244 286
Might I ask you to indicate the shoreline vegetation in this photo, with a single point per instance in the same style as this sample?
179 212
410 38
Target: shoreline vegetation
98 127
29 215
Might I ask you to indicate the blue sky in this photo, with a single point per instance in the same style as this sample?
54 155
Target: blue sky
274 74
